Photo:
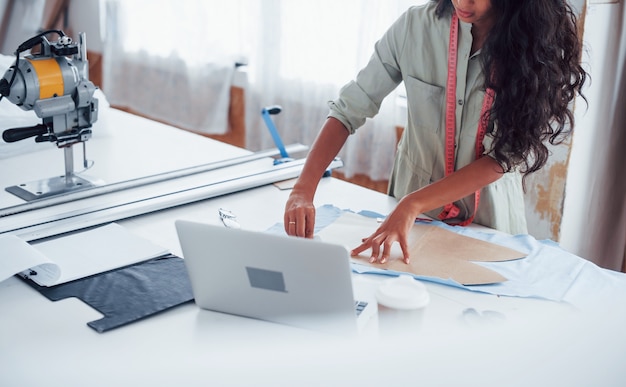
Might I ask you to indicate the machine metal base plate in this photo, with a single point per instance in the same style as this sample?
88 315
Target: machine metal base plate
49 187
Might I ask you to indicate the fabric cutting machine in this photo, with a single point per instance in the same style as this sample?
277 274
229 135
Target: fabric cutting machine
54 83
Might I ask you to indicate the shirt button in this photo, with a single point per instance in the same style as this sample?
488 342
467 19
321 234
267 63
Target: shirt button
460 102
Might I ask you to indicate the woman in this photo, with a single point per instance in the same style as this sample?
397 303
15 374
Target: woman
470 137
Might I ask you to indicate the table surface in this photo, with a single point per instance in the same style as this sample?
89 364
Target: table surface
460 337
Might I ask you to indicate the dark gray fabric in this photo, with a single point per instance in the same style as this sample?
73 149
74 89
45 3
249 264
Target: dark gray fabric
128 294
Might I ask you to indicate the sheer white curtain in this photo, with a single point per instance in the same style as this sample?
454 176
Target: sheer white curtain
315 48
173 59
594 217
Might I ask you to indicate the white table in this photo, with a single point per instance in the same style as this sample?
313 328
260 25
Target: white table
532 342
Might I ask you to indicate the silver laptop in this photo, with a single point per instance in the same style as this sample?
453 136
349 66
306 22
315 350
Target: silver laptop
295 281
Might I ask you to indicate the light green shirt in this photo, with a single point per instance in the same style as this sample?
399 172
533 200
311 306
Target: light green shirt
415 50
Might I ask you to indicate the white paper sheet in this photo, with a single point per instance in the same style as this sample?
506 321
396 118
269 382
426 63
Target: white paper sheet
75 256
18 256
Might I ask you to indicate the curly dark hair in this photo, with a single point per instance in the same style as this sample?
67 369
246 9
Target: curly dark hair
533 54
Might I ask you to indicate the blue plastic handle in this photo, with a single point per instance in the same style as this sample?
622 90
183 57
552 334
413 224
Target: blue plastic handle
274 133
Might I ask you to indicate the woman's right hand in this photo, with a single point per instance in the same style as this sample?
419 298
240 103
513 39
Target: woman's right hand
299 215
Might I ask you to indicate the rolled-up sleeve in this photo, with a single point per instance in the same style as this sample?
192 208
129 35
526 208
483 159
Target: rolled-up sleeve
361 98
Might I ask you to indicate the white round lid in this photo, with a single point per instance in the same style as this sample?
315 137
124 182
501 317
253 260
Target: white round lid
402 292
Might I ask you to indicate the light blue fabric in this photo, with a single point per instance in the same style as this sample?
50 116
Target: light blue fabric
548 272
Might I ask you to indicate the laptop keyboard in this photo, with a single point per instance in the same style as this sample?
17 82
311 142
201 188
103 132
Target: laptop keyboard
359 306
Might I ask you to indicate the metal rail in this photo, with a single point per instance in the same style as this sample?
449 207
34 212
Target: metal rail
96 215
133 183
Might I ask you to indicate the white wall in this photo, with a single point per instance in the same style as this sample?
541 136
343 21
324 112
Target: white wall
85 16
545 189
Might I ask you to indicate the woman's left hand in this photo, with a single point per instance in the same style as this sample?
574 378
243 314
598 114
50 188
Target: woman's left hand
394 229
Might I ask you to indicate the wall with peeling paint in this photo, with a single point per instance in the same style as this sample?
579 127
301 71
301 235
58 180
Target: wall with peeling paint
545 189
545 194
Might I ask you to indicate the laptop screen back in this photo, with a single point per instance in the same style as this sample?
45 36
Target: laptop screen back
294 281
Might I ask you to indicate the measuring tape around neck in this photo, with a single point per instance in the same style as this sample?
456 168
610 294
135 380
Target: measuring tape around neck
451 210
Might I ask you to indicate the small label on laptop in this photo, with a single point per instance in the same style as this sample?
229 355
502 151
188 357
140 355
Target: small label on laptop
266 279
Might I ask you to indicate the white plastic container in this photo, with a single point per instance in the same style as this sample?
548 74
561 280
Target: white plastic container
401 303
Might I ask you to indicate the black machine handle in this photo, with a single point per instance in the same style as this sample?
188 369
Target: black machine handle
17 134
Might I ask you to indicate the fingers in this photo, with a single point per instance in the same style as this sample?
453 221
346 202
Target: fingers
381 248
290 227
376 256
309 230
405 251
361 248
300 222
